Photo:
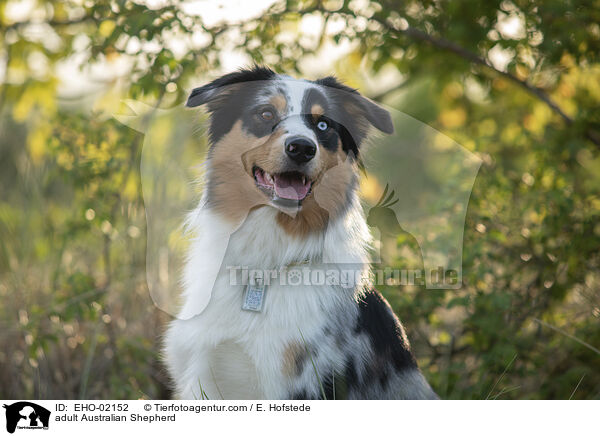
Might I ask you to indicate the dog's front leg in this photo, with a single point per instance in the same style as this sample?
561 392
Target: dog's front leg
187 356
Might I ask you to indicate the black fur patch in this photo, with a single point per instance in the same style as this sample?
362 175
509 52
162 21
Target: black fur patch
228 99
301 395
377 116
299 362
328 138
351 374
209 92
377 320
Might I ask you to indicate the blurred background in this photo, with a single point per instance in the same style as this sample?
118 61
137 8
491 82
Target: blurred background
517 83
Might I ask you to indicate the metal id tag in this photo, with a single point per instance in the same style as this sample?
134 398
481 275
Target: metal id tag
254 297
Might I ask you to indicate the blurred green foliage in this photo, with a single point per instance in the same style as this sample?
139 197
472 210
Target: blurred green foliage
516 82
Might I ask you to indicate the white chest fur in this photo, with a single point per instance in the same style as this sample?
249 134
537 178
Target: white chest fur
217 349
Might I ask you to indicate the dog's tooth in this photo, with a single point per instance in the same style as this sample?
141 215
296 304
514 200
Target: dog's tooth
269 177
304 180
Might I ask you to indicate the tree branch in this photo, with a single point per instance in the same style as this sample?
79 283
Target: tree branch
452 47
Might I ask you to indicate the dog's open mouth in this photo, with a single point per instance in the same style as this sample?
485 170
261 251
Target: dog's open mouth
292 186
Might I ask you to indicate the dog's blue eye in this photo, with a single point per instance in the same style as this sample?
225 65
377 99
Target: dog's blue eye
322 125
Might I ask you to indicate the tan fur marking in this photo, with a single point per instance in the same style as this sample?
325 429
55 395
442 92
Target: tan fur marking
293 357
357 115
233 190
279 102
317 111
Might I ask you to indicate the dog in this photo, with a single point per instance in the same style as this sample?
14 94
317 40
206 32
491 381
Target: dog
280 192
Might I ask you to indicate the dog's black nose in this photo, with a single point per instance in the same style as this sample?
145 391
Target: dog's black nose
300 149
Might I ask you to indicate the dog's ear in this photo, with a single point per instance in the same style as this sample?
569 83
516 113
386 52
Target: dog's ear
215 91
377 116
360 107
201 95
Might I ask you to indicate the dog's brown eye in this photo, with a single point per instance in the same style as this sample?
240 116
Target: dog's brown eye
267 115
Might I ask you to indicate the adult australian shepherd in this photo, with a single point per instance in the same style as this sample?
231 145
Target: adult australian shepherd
281 192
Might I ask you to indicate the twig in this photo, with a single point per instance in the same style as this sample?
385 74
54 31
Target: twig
576 339
576 387
85 374
146 396
504 391
501 376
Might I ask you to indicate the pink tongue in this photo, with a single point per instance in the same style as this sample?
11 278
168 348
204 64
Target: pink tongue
291 188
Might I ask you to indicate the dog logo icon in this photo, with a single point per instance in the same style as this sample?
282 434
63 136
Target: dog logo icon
26 415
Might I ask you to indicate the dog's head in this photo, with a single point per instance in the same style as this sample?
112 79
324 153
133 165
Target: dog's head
281 142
